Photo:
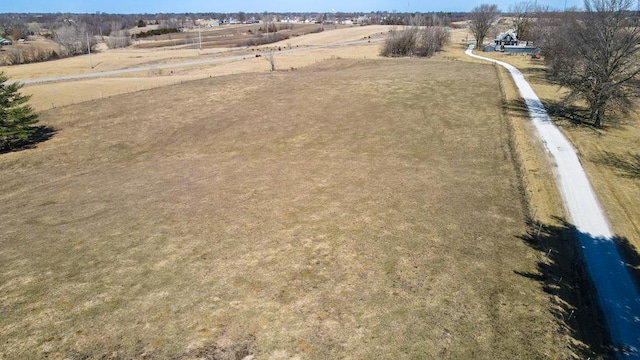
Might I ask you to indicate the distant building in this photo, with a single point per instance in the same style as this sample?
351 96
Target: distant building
508 43
521 49
506 38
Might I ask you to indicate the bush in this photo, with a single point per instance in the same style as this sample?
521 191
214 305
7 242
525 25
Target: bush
118 39
26 55
430 40
285 26
155 32
262 40
272 28
401 43
418 41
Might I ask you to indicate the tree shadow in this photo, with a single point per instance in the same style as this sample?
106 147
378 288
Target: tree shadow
560 113
573 114
535 73
41 134
626 165
563 275
630 256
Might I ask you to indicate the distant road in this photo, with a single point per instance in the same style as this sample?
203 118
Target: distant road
617 292
182 64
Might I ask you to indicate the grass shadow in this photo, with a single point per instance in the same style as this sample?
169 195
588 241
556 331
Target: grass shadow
625 165
630 256
41 134
562 273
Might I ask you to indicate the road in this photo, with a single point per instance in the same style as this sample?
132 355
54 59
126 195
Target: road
617 292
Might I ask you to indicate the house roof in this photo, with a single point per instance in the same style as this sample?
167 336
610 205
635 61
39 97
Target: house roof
509 33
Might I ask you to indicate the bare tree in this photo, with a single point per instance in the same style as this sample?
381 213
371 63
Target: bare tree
551 34
482 18
400 42
73 38
423 41
417 20
522 19
270 57
67 38
430 40
596 55
118 37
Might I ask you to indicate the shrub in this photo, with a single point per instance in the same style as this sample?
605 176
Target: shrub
26 55
155 32
118 39
285 26
430 40
418 41
401 42
262 40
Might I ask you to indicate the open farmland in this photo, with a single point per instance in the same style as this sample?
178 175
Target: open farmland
226 36
353 209
302 51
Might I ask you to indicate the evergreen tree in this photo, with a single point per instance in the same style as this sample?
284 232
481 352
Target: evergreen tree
16 117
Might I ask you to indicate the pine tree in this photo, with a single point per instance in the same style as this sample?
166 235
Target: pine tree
16 117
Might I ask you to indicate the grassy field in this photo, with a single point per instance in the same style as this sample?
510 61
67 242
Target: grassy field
226 36
117 59
353 209
58 94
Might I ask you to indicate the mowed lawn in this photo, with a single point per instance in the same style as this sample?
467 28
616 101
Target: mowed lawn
357 209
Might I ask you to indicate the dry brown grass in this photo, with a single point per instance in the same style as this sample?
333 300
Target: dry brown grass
355 209
117 59
223 36
77 91
65 93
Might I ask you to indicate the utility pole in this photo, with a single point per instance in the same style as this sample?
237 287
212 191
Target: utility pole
267 21
199 37
89 49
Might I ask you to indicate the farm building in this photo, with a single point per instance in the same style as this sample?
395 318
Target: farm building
520 49
508 43
4 41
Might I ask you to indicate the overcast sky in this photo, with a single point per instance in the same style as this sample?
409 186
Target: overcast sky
181 6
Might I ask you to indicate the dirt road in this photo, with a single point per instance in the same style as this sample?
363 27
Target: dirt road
617 292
